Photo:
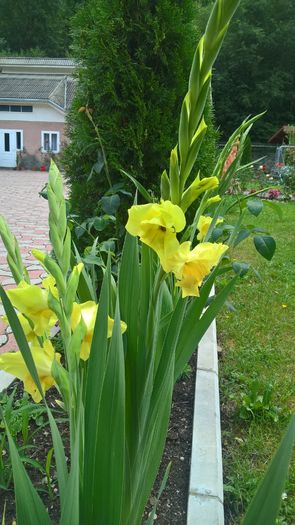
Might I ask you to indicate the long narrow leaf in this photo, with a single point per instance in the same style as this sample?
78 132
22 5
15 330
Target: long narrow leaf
70 508
130 290
153 442
104 432
152 515
85 290
156 423
191 334
60 458
94 385
29 507
138 186
194 310
265 505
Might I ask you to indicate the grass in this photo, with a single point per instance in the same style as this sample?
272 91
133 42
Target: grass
257 359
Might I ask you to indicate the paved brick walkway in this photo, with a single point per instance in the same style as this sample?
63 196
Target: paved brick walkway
27 216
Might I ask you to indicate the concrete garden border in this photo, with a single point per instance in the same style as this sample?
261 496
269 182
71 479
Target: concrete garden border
205 498
5 380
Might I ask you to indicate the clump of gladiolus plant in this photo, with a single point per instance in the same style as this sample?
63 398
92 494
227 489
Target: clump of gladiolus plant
121 354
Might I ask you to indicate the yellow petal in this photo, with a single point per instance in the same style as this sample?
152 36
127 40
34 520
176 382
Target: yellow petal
13 363
111 326
151 222
174 254
204 225
31 336
32 301
49 283
29 298
88 311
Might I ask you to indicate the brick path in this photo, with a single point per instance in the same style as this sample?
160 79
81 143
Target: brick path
27 216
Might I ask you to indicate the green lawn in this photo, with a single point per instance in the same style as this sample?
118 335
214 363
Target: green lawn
258 352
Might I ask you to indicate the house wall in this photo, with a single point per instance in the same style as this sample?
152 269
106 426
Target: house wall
32 132
43 118
40 113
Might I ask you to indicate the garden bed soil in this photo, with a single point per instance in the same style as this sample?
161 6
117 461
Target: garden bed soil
172 507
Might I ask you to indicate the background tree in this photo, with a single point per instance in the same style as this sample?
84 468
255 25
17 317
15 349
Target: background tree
134 61
43 25
255 70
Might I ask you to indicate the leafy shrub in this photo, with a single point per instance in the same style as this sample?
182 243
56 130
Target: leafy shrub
287 174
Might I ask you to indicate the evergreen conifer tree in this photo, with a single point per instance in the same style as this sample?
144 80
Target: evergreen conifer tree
134 58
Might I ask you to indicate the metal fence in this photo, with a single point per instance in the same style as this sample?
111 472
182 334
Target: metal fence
268 152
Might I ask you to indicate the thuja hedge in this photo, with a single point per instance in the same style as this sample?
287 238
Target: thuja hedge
134 58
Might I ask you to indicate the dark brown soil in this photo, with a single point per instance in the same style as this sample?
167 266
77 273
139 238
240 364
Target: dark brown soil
171 509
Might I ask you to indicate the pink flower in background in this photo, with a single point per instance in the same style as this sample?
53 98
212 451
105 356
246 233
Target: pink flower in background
272 194
231 157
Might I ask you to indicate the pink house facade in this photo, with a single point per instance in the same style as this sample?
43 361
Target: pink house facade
35 94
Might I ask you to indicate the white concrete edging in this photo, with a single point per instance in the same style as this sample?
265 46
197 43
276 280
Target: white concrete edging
205 498
5 379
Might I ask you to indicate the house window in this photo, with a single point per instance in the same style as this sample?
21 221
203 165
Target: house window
50 141
19 140
6 142
16 109
27 109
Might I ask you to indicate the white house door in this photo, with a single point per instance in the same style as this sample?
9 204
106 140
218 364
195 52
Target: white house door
7 148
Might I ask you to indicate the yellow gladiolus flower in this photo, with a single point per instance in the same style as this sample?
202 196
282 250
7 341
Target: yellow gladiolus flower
13 363
198 265
204 225
153 222
87 311
32 301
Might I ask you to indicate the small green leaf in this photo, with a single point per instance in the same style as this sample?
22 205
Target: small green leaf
108 246
265 245
216 234
110 204
254 206
241 268
93 259
242 235
100 224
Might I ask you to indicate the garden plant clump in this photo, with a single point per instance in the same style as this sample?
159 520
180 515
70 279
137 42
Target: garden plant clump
126 342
